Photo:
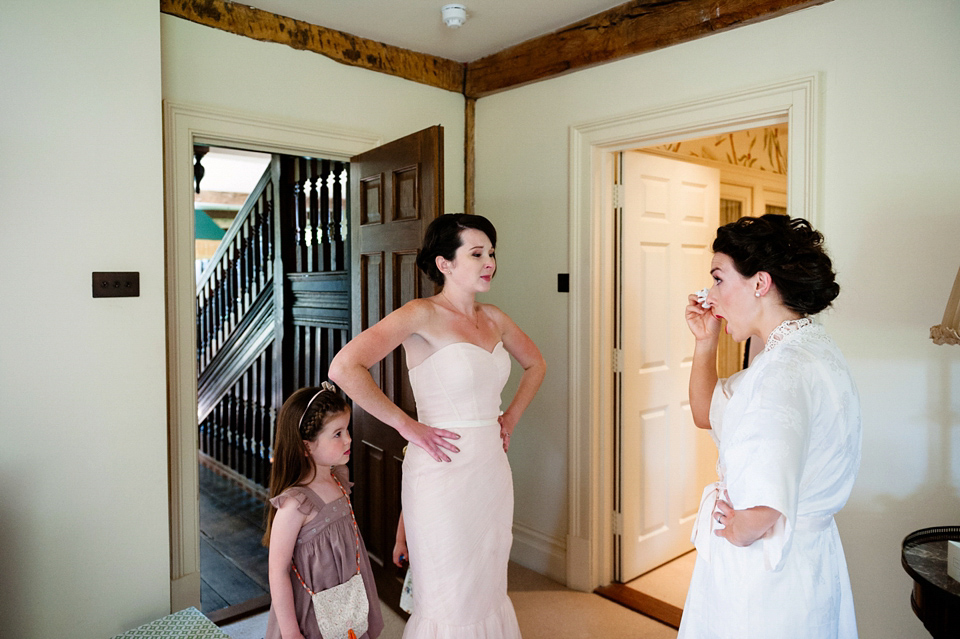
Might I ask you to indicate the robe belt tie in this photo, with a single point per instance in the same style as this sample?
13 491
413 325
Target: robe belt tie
704 525
807 523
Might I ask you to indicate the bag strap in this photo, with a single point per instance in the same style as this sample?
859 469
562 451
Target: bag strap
356 534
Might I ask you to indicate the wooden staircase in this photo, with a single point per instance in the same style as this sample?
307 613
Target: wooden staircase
273 308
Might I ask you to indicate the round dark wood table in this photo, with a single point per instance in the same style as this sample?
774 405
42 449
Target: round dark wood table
936 595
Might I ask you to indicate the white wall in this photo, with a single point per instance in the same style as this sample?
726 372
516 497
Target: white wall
220 70
890 210
83 465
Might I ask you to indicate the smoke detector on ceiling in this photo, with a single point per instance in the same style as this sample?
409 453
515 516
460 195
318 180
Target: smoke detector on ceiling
454 15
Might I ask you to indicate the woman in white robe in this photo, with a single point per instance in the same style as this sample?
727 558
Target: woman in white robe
770 562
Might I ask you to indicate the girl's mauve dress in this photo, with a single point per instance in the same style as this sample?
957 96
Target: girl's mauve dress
459 514
326 556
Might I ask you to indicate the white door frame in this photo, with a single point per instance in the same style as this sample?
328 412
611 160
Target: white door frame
590 346
183 126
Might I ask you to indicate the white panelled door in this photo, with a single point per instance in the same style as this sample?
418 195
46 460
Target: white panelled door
670 216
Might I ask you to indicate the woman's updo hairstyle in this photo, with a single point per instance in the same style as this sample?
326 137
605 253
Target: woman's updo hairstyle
443 239
790 250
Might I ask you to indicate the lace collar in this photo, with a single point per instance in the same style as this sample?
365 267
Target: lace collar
778 334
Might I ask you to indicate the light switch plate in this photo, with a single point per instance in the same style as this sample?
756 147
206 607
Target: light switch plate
116 284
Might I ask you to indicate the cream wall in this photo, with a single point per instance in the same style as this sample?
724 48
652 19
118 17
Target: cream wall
889 207
83 512
219 70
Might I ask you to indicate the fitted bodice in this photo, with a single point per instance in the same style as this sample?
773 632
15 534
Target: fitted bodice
460 382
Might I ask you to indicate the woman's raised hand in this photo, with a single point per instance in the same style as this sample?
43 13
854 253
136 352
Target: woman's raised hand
702 322
432 440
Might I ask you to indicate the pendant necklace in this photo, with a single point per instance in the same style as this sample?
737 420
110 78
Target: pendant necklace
476 318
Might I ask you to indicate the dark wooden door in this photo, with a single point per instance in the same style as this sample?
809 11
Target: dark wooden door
396 191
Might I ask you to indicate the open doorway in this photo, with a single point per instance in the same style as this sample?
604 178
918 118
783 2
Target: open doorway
272 309
186 126
674 196
593 148
321 300
233 564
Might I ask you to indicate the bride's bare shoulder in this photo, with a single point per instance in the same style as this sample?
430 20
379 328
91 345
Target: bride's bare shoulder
421 308
420 316
494 313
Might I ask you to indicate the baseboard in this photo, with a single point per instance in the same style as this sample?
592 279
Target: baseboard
539 552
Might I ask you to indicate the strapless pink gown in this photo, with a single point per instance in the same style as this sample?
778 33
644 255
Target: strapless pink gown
459 514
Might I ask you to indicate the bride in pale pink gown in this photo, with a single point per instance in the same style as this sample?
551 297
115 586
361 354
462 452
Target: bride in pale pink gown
457 487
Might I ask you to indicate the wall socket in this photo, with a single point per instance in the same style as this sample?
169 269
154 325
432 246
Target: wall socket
125 284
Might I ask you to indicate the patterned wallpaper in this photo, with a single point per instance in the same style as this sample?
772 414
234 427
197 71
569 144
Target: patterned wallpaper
763 149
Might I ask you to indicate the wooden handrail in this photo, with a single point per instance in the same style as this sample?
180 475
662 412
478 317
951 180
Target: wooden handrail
238 272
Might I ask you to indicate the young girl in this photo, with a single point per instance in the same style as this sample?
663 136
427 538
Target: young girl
311 530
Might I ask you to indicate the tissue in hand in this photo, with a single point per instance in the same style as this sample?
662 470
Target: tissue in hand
702 298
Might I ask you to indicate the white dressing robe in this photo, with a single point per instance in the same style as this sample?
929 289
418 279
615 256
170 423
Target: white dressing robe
788 434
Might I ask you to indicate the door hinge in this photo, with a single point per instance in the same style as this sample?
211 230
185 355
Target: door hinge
617 196
618 360
617 523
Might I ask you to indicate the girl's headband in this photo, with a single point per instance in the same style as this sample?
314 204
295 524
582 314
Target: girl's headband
325 386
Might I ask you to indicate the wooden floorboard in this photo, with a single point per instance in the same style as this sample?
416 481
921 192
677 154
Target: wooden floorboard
642 603
226 579
233 562
210 601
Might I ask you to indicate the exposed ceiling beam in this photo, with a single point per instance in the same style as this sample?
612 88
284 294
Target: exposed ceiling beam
626 30
337 45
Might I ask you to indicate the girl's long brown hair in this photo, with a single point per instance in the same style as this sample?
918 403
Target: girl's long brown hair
292 465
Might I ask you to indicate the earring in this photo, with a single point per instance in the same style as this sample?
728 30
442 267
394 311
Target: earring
757 294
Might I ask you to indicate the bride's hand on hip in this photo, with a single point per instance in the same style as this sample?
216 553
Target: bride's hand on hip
507 424
432 440
702 322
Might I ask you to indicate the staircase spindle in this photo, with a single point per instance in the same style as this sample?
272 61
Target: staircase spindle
324 231
338 261
300 211
265 433
312 263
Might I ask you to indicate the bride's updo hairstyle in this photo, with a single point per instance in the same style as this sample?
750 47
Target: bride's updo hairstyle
443 239
790 250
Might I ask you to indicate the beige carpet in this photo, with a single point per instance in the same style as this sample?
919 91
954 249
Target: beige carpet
545 610
670 581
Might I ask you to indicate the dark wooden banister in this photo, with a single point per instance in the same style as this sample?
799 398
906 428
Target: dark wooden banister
252 336
239 272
